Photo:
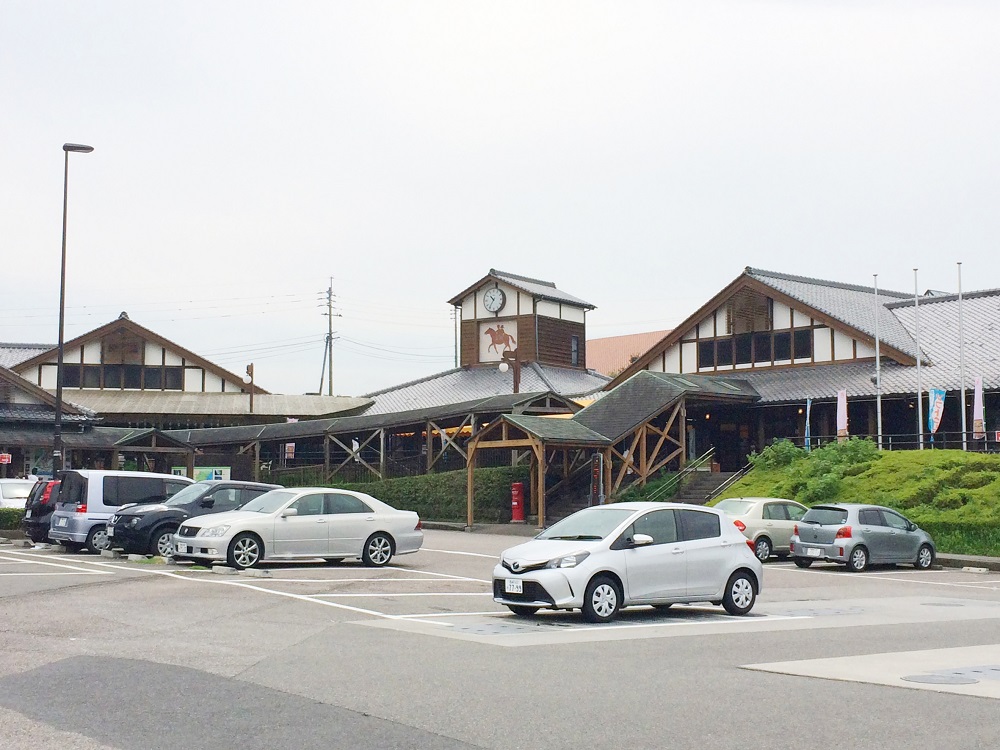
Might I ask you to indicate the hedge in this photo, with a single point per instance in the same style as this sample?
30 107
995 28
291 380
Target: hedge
10 518
964 538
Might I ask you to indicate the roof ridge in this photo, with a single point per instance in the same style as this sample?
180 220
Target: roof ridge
931 300
495 272
823 282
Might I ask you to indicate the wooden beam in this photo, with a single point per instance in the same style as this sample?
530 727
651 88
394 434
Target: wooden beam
540 454
326 457
470 491
382 458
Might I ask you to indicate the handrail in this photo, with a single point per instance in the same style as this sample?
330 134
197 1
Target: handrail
728 483
674 482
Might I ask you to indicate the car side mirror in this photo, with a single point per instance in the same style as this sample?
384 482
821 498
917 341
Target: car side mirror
911 527
641 540
289 512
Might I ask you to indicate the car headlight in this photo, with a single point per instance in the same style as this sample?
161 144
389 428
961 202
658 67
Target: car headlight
568 561
214 531
132 522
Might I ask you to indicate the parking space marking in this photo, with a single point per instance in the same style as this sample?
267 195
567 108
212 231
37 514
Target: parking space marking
26 560
457 552
393 596
68 573
887 576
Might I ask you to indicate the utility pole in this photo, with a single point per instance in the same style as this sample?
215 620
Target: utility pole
329 335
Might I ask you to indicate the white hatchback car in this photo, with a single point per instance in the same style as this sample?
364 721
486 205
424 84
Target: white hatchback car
301 523
603 558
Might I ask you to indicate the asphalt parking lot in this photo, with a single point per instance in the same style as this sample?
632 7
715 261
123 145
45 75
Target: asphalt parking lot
104 653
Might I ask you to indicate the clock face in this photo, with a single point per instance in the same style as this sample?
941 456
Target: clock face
494 300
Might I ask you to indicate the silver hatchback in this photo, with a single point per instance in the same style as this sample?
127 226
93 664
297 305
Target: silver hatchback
857 535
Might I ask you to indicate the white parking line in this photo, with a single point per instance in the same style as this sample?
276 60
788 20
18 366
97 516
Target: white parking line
28 561
366 580
494 613
872 576
443 575
393 596
50 574
454 552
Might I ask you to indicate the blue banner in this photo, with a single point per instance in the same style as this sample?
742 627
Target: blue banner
935 409
809 403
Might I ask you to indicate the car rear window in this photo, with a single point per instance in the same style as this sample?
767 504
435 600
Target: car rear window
825 516
72 488
734 506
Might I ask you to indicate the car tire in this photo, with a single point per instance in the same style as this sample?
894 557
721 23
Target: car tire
762 548
37 536
803 562
522 611
925 557
741 593
245 551
378 550
602 600
97 540
858 561
161 541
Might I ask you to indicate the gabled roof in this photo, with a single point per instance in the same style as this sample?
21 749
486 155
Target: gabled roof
844 307
123 323
465 384
535 287
557 430
612 354
10 379
190 403
13 354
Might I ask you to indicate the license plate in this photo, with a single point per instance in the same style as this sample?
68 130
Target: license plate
27 514
61 521
182 548
513 586
111 531
814 552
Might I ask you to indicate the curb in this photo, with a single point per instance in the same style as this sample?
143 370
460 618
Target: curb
974 563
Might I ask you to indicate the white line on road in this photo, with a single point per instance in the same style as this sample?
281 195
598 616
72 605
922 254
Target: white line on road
454 552
443 575
393 596
868 577
26 560
68 573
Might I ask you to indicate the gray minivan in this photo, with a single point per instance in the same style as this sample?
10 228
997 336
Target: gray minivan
88 498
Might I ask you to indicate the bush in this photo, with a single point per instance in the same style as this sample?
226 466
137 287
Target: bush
963 538
442 497
778 453
10 518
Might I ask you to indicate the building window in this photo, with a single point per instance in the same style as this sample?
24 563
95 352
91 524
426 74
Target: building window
762 348
803 341
112 376
133 377
724 352
91 376
173 378
574 351
782 346
71 376
743 351
152 378
706 354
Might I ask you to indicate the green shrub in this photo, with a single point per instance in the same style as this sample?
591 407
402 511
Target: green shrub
10 518
964 538
973 480
778 453
820 489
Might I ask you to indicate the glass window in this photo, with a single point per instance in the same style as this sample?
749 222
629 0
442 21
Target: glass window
724 351
153 378
574 350
794 512
590 523
173 378
743 344
174 487
804 344
340 503
124 490
825 515
91 376
762 347
659 524
734 506
782 346
71 376
775 512
869 518
226 498
309 505
895 520
112 376
133 377
247 495
269 501
698 524
706 354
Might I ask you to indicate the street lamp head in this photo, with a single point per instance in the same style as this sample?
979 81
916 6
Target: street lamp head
78 148
503 367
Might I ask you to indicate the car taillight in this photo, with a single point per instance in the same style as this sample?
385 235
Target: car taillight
795 529
46 494
81 507
751 546
419 525
740 525
844 532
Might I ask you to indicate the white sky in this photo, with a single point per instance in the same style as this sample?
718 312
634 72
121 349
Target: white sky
637 154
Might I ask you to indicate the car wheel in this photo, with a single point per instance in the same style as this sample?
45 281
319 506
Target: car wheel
521 611
70 546
97 540
762 548
378 550
602 600
858 560
925 557
162 542
245 551
740 593
803 562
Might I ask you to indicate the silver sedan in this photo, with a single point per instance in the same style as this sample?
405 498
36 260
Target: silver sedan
299 524
857 535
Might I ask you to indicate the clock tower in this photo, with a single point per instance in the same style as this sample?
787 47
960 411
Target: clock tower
503 312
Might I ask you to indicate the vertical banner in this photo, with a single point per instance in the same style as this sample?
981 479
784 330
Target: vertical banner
978 422
842 432
597 479
808 444
935 409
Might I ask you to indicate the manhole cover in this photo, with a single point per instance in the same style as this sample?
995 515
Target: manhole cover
940 679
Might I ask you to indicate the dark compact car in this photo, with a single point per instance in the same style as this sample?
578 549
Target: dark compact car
149 529
38 509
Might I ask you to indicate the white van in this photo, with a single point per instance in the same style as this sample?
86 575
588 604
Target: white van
88 498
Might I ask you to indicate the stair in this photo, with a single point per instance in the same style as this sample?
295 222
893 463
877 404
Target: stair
699 485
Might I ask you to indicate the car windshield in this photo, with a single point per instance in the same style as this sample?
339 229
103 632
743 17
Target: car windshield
269 501
734 506
589 524
189 494
825 516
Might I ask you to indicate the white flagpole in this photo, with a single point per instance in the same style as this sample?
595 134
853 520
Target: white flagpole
920 407
878 368
961 359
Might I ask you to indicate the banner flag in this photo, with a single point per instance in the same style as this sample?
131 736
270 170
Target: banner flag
978 422
935 409
842 432
809 403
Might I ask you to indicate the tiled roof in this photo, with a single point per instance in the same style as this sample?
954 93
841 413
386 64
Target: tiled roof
561 430
612 354
473 383
537 288
851 304
15 354
223 404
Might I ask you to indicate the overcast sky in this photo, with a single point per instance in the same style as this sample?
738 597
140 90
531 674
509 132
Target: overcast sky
639 155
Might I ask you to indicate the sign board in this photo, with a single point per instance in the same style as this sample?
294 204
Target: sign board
201 473
597 479
5 458
996 436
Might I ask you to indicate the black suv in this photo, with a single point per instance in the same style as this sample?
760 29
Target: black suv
38 509
150 529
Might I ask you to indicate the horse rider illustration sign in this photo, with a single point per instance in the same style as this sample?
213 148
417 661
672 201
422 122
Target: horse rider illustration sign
495 338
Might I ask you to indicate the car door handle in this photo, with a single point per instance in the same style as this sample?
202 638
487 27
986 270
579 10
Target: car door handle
320 520
370 518
676 551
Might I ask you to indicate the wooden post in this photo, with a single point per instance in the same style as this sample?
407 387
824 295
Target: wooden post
430 446
541 486
533 483
643 457
683 430
607 475
256 461
382 461
470 490
190 464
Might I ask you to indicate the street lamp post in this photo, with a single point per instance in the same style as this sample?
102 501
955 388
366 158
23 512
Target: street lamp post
57 446
248 379
515 361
